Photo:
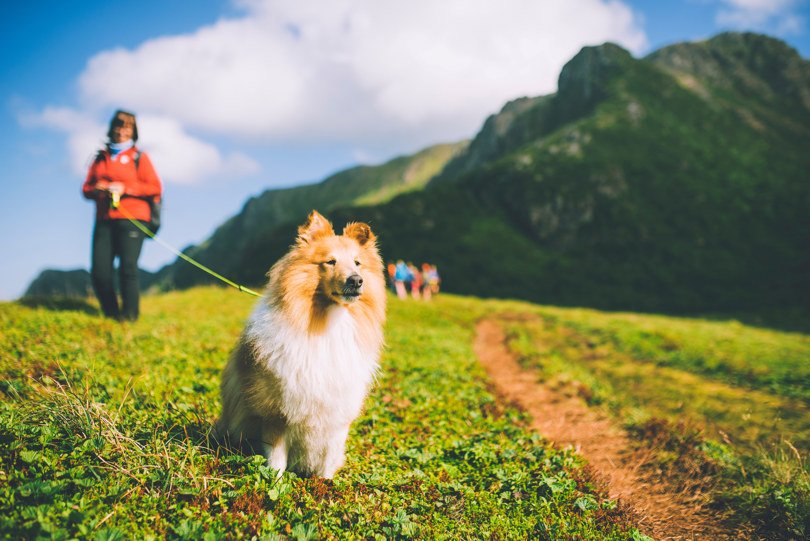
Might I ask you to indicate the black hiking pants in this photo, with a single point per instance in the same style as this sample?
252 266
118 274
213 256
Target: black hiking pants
111 239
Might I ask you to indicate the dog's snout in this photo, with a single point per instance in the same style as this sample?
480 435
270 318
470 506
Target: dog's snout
355 280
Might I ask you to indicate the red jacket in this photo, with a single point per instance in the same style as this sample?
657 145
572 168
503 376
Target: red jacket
138 183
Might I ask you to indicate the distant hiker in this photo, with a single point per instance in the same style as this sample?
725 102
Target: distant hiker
416 281
427 290
120 178
392 272
433 279
401 276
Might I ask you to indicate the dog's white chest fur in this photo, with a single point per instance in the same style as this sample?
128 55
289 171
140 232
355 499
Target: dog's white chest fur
324 376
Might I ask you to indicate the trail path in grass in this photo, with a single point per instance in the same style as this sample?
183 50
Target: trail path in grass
666 512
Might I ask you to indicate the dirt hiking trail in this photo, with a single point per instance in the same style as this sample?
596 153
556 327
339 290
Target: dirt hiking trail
665 511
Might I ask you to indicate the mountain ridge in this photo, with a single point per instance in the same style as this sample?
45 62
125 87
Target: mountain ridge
360 185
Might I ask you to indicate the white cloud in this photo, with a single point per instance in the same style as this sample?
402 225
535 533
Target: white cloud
777 16
356 69
178 157
772 6
183 159
224 78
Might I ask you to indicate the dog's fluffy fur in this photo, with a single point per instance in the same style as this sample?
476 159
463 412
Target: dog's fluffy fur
303 366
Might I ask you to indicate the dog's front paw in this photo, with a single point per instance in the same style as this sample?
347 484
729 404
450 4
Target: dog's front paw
277 457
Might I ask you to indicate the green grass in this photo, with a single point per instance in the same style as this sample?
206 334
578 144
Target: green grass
761 359
733 396
104 435
104 427
747 382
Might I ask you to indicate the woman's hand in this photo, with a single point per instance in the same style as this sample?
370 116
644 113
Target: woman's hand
109 187
115 187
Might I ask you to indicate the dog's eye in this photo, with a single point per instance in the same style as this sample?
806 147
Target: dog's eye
356 263
331 262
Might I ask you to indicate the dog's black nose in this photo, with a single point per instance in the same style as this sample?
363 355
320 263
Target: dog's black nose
354 280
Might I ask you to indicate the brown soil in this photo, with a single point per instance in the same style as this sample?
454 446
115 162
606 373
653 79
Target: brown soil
666 509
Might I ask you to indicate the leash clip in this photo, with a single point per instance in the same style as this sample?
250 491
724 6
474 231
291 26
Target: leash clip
116 197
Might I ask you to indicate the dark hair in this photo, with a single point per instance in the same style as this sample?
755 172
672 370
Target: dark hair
113 123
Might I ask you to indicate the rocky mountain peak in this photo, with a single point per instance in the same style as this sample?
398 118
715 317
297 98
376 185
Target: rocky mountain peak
752 63
582 84
583 79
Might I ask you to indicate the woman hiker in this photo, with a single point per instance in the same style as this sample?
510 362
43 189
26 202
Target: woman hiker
120 180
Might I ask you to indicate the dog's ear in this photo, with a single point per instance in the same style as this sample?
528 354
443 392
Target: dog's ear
359 232
316 226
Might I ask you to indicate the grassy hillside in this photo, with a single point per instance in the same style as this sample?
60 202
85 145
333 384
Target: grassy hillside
104 435
104 427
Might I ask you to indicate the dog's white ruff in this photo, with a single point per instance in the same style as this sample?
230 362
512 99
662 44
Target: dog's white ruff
324 381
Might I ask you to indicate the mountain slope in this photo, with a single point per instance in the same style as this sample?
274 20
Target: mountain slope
663 197
581 86
75 283
652 184
226 250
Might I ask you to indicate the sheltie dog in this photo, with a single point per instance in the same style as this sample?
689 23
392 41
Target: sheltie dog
303 366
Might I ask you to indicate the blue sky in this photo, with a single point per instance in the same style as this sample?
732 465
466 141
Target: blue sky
235 97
